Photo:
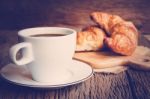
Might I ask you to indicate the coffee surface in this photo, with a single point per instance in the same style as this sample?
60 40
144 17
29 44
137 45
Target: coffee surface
48 35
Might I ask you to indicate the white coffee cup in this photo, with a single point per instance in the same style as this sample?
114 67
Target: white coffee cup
47 57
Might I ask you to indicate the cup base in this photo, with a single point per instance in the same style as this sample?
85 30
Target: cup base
54 79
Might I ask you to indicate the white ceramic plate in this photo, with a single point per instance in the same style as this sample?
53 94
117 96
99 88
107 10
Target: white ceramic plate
20 75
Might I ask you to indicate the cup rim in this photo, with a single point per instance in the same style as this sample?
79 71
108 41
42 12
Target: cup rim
22 33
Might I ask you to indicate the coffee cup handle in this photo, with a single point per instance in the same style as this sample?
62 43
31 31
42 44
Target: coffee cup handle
27 52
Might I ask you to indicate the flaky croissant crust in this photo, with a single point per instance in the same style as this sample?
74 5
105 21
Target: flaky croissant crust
123 35
90 39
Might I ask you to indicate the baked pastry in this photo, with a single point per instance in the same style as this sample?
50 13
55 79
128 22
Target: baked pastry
90 39
122 35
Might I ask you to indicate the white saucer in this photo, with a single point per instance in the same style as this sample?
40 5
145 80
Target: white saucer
20 75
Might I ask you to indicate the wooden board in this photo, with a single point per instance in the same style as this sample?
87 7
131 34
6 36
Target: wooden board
106 59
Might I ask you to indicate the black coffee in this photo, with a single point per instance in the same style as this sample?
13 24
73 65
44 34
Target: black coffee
47 35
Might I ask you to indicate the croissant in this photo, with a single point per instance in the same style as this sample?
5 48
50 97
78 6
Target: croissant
122 35
90 39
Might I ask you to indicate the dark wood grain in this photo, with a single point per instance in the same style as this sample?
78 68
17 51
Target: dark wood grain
139 84
100 86
20 14
15 15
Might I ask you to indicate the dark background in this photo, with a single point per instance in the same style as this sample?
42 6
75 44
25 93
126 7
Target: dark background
18 14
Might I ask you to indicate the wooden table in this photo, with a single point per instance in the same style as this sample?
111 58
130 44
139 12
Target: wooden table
131 84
